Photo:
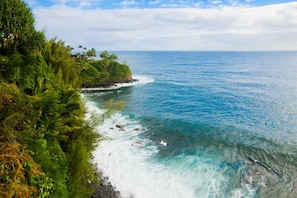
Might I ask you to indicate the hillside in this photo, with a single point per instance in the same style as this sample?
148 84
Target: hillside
45 142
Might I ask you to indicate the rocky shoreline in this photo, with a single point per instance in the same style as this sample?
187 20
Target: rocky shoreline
105 190
108 84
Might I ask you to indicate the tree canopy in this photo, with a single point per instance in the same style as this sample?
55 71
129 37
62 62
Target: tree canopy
105 71
45 142
17 31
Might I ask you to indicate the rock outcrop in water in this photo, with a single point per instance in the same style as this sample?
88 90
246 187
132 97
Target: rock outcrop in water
107 84
103 73
105 190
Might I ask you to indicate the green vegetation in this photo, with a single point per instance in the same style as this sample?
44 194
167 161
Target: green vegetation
45 142
102 72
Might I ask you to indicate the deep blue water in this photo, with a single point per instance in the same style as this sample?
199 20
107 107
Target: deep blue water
229 120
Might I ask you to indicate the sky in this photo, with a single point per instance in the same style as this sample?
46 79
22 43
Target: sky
210 25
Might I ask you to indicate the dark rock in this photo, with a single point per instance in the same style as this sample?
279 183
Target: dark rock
100 85
107 84
120 126
105 190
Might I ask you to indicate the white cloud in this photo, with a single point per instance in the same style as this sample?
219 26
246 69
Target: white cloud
60 1
85 4
215 2
271 27
73 3
127 3
180 3
154 2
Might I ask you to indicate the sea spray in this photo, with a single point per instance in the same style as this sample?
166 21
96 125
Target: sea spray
137 80
131 164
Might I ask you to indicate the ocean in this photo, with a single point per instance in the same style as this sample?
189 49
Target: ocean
201 124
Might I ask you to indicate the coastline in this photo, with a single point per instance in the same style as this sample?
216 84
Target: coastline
107 85
105 190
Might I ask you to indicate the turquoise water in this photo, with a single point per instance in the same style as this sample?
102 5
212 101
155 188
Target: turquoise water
229 120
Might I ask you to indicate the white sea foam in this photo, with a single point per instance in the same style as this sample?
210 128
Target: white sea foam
136 172
139 80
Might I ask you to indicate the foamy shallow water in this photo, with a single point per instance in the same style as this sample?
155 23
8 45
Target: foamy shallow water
131 164
128 161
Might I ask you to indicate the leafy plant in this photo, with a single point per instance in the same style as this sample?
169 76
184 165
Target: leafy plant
45 142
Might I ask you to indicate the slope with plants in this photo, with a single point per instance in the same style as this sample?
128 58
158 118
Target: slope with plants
45 142
102 73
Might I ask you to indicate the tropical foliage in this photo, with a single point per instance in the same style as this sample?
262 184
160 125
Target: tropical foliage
45 142
104 71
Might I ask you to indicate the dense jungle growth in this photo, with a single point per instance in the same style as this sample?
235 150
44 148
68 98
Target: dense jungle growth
45 142
104 72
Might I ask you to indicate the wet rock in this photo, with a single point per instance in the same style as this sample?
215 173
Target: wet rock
105 190
120 126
